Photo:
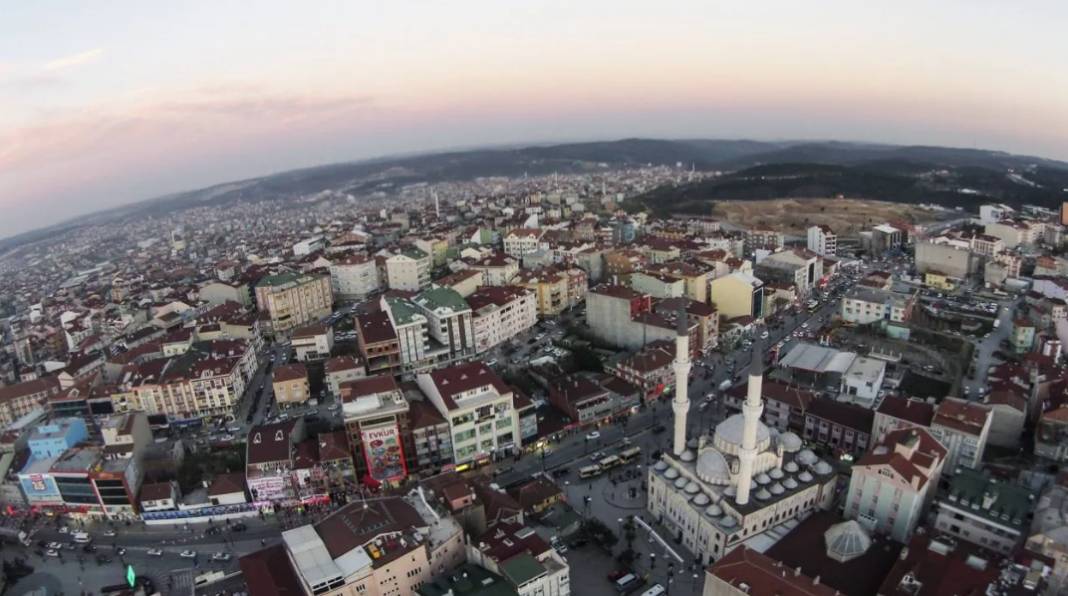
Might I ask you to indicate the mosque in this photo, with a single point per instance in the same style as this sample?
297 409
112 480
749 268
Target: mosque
746 483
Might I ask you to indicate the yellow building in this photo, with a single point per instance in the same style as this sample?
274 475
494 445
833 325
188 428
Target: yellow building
737 295
939 281
551 287
290 384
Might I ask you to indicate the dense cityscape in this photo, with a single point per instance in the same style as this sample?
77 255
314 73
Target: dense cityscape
532 385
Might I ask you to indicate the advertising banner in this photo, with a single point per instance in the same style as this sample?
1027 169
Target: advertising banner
40 489
383 452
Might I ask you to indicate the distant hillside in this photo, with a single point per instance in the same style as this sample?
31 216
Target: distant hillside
890 179
789 168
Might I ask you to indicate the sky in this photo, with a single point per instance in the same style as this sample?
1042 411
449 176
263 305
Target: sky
106 103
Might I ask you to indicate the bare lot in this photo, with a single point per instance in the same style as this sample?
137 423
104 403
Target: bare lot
845 216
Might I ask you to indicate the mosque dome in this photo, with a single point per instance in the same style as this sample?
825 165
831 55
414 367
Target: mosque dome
777 489
790 442
790 483
823 468
712 467
790 467
660 466
714 510
806 457
681 482
687 456
763 494
701 500
762 478
729 434
692 488
728 522
671 474
776 473
804 476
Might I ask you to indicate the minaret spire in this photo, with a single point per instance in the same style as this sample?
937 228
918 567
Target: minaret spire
681 404
751 411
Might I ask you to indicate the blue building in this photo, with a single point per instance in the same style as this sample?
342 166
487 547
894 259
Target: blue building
53 439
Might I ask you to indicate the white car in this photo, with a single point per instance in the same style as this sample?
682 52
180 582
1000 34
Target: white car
221 557
764 335
593 436
188 554
154 552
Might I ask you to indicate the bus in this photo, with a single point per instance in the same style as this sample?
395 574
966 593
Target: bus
656 590
590 471
610 462
629 455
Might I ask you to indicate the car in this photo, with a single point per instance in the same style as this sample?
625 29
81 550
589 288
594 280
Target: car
64 530
659 428
53 546
52 552
593 436
188 554
109 533
238 527
154 552
120 551
89 548
222 557
764 335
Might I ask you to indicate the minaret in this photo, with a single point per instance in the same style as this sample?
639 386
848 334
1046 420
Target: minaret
681 403
437 206
751 410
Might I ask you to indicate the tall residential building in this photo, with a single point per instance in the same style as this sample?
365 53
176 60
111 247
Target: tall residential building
449 321
522 241
892 485
963 428
822 240
291 300
737 295
377 341
353 277
480 409
501 313
523 558
376 421
411 328
990 513
408 270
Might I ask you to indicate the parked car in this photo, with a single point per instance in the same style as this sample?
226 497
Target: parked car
154 552
52 552
188 554
223 557
593 436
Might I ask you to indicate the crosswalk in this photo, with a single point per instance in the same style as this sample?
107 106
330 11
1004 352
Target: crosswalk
179 582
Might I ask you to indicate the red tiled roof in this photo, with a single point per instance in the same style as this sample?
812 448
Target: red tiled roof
268 572
373 385
764 576
962 416
465 377
290 372
917 412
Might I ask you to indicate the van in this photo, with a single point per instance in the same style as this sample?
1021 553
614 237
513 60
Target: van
626 583
656 590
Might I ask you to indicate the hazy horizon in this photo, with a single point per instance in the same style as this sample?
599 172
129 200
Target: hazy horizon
114 104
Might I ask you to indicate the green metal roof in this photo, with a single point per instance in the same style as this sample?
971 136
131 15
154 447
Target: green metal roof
404 312
279 280
413 252
522 568
468 580
441 297
1000 502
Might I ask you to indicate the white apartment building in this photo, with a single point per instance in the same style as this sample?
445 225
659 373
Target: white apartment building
313 342
522 241
822 240
963 428
501 313
987 512
449 320
480 409
408 270
864 305
497 269
353 277
892 485
410 325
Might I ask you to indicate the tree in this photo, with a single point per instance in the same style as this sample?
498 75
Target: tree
586 359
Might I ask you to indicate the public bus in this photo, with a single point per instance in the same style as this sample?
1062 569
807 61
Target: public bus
610 462
629 455
590 471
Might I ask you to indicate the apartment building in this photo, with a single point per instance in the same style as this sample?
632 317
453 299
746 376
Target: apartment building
480 409
291 300
378 342
313 342
990 513
497 269
864 305
449 321
822 240
500 313
737 295
522 241
22 398
353 277
290 384
891 486
963 428
524 559
340 369
376 422
408 269
550 287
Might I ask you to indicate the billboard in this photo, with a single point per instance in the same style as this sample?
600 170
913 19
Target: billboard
40 489
383 452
